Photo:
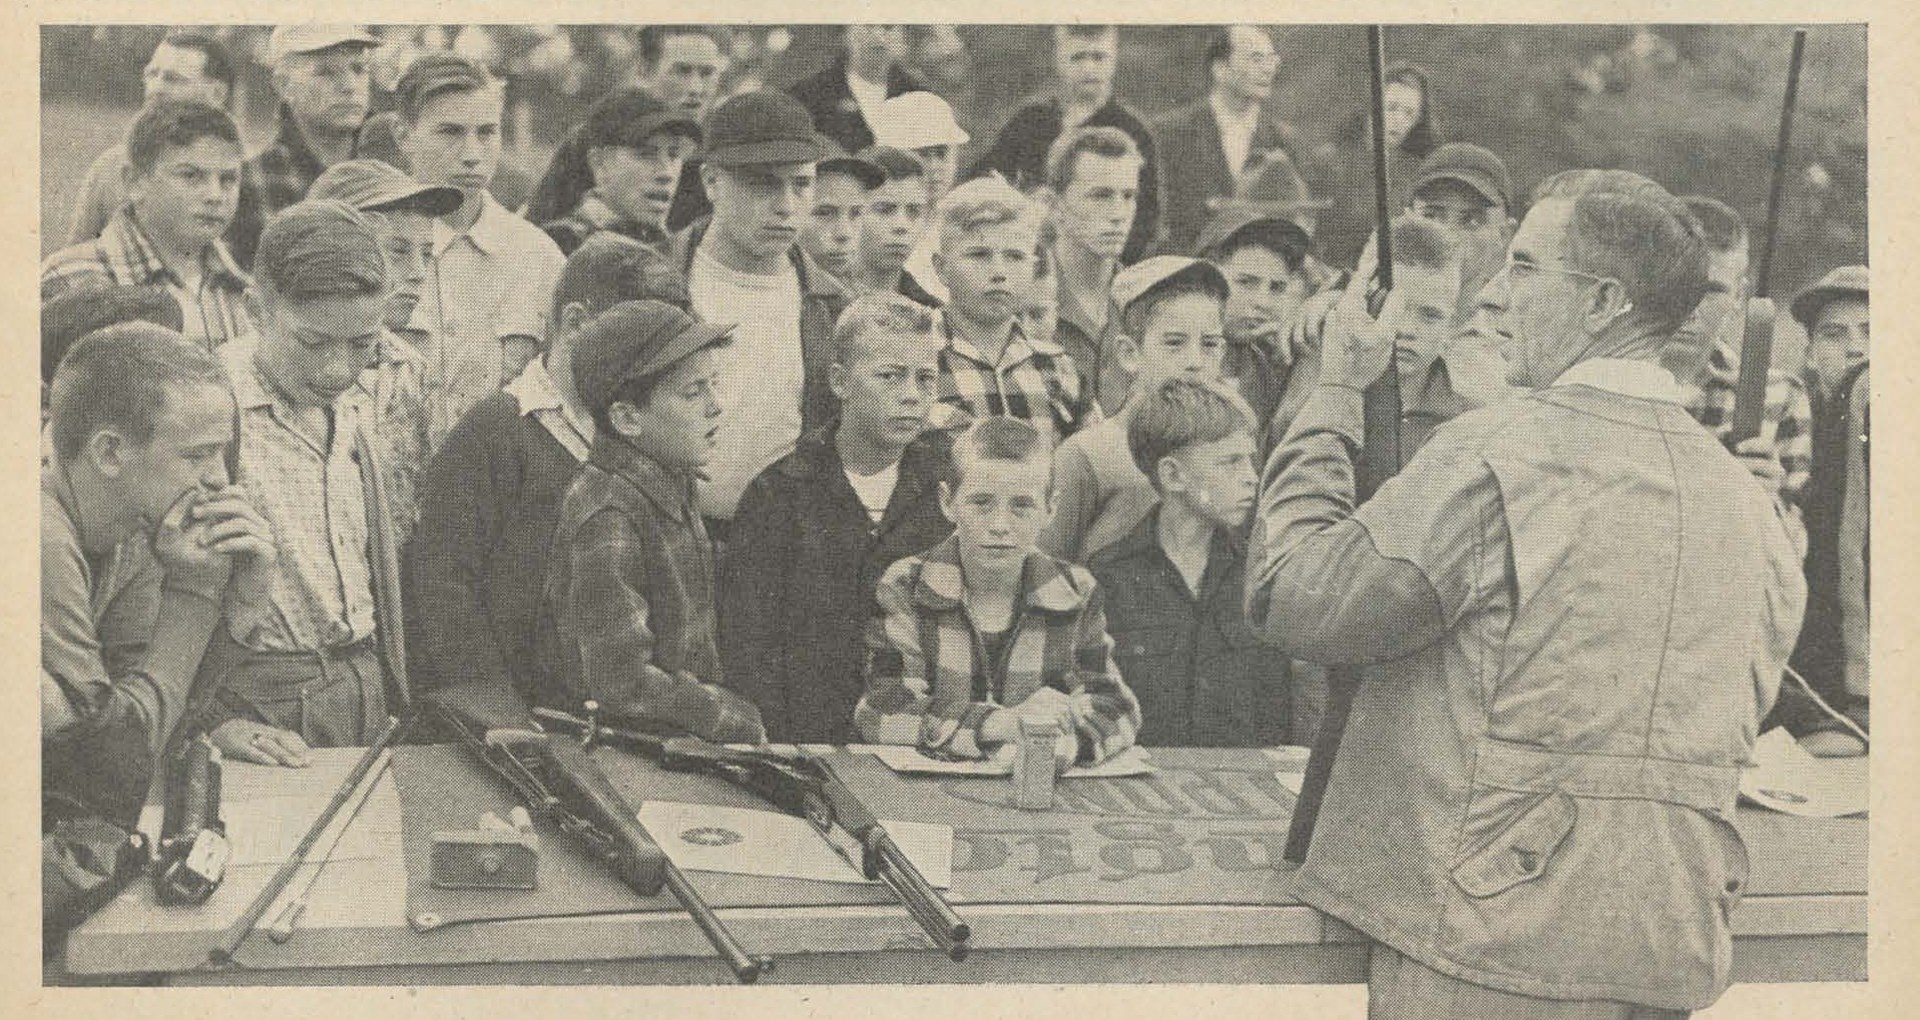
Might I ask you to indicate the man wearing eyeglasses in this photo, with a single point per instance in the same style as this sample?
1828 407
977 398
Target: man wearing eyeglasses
295 660
1564 666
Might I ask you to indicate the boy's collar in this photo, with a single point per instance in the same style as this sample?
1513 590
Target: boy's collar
669 490
1046 584
959 344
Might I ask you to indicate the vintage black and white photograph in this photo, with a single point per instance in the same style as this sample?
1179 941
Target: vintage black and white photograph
1044 504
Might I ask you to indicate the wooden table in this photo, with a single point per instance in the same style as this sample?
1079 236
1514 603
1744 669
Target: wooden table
1804 918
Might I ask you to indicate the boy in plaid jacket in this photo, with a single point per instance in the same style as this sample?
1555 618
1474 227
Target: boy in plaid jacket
984 630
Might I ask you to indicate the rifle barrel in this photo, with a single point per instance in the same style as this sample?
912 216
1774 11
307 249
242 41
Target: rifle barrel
1382 203
746 969
1762 286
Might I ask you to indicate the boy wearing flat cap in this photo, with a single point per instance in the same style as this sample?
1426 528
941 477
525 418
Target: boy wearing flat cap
627 616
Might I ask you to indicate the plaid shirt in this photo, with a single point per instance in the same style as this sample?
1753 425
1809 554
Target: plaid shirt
1035 380
1788 421
123 254
627 616
927 679
276 177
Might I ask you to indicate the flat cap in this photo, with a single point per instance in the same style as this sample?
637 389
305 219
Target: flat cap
634 340
1844 282
1269 230
762 127
289 39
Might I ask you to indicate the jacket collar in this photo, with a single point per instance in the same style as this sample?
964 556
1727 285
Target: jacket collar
671 492
1642 380
1019 347
1046 585
1225 547
491 231
134 259
815 282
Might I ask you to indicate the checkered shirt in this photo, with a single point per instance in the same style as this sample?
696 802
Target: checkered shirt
1035 380
123 254
1788 421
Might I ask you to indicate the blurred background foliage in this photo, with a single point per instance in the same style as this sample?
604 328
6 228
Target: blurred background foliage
1693 106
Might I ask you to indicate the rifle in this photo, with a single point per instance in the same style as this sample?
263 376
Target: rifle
191 858
804 786
1379 461
1756 346
560 783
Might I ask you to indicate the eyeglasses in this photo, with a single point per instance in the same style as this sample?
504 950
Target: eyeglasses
1523 270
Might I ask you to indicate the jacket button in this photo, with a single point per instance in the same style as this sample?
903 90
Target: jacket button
1733 885
1527 859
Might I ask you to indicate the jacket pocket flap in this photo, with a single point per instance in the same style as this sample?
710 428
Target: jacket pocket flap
1519 853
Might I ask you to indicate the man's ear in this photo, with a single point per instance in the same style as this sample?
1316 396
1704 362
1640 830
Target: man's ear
107 451
596 155
1607 304
709 177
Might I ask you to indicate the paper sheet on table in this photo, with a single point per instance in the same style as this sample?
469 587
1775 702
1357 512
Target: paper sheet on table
1134 761
705 837
265 830
1786 778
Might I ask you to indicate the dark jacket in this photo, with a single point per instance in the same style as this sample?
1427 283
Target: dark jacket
822 299
1020 155
1204 679
797 581
1192 160
835 112
489 501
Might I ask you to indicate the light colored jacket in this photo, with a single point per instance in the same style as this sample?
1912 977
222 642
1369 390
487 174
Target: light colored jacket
1575 605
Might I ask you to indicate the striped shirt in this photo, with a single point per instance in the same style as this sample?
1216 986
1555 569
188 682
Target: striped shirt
930 683
1034 380
217 310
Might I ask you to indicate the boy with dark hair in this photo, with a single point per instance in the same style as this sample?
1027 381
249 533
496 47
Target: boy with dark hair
1264 258
1170 328
627 614
831 234
492 272
984 631
182 184
891 226
490 498
816 530
1174 583
989 238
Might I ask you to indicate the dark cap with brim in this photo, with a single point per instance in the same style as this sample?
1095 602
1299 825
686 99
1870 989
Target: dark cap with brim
636 340
1143 277
371 185
1259 226
760 128
1471 165
1844 282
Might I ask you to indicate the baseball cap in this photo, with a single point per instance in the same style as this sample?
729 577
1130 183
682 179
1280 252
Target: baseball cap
1844 282
1269 230
630 116
1471 165
370 185
289 39
916 120
634 340
760 127
1136 281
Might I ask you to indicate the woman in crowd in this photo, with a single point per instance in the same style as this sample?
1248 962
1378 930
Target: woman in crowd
1343 167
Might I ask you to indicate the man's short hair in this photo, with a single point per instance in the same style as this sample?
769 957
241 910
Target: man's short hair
437 74
980 203
899 164
1064 155
218 65
1179 413
1422 244
999 437
117 378
1631 229
1077 30
174 124
653 41
875 315
319 248
95 306
1721 225
609 268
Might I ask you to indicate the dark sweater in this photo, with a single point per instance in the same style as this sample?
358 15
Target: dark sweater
489 501
797 581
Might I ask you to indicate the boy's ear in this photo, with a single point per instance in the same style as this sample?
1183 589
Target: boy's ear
709 175
574 317
939 261
1171 476
625 418
839 377
1127 349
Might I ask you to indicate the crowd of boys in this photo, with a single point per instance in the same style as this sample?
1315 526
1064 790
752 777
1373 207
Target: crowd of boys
854 452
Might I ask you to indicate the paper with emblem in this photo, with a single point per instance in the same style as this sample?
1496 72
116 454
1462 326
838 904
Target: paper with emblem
742 841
